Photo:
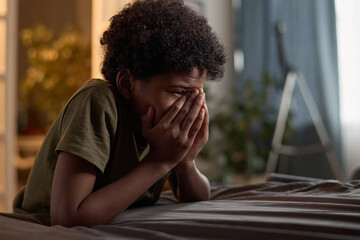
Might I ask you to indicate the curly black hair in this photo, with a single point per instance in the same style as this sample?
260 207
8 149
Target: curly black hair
151 37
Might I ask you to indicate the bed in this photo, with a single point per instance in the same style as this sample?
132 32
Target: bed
317 209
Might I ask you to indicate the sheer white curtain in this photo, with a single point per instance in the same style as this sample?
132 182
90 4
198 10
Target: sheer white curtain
348 34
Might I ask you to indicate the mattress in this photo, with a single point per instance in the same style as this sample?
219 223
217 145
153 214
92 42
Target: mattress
324 209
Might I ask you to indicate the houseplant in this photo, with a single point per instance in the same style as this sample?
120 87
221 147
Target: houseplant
241 132
57 65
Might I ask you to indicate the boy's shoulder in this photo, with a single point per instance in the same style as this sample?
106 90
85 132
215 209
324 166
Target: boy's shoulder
96 93
95 85
95 88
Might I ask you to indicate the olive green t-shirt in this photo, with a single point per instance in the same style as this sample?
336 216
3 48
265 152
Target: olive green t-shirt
95 125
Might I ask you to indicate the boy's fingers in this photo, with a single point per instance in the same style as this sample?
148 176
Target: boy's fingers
183 113
198 124
205 125
174 110
192 115
206 113
147 119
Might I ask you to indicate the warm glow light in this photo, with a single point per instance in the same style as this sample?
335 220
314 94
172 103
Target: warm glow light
2 107
3 7
2 167
101 13
2 94
2 45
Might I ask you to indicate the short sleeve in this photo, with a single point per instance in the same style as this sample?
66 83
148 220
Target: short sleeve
88 126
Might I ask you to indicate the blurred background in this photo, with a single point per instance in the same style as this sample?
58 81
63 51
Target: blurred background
49 48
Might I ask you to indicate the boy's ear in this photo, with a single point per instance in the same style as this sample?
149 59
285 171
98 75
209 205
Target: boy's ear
124 82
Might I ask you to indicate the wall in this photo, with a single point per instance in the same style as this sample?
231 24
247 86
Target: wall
220 18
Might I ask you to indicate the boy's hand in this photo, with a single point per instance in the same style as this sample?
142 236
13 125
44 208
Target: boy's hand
200 139
172 137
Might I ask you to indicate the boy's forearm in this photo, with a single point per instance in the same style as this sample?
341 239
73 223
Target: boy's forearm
102 206
191 184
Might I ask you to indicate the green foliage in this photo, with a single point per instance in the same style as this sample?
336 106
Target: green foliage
58 65
241 132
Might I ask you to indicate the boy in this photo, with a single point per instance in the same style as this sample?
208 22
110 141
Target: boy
117 141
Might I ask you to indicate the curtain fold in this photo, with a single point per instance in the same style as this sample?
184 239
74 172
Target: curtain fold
311 47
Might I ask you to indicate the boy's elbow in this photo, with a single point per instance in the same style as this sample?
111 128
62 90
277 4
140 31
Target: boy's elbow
62 220
67 219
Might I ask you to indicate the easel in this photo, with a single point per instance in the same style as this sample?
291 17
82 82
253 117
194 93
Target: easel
292 79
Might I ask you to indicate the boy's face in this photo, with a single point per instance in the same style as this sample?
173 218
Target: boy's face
162 91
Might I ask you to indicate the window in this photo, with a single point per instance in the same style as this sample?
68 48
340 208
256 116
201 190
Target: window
348 35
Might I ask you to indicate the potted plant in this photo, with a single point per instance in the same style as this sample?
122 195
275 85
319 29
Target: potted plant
241 132
57 66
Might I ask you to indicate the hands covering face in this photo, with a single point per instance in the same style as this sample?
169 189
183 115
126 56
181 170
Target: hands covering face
181 133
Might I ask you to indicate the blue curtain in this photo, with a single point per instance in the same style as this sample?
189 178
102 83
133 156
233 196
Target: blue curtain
311 47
